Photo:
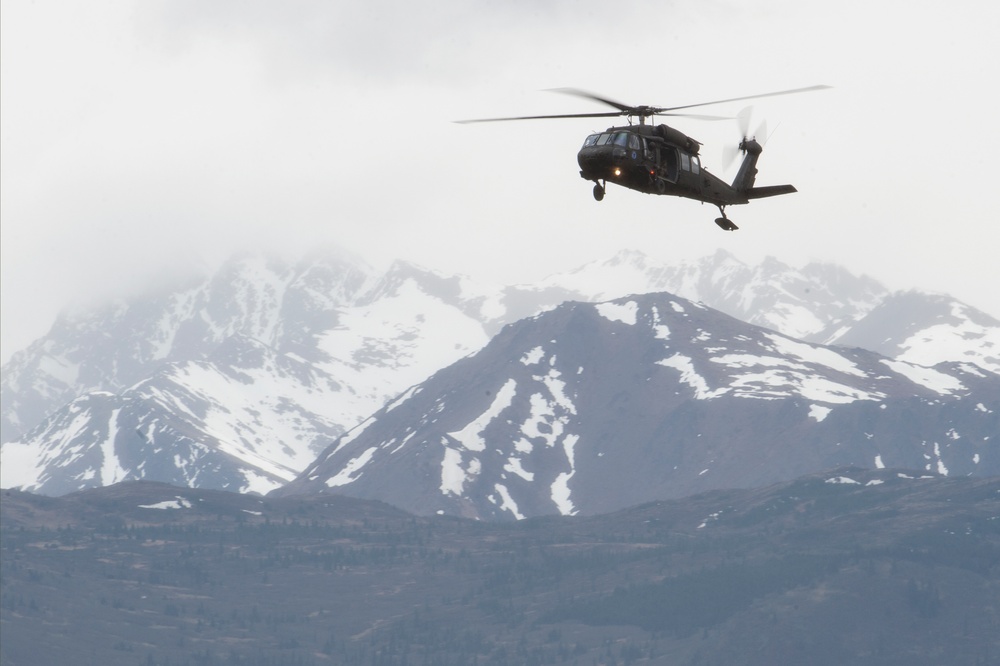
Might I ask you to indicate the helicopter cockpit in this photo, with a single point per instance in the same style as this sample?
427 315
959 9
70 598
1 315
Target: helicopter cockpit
622 139
615 152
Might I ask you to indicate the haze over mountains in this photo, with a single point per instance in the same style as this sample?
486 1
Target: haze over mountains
239 380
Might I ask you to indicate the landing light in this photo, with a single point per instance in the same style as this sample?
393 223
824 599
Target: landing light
618 172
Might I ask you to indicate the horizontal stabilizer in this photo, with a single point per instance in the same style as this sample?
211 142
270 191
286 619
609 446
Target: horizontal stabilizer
769 191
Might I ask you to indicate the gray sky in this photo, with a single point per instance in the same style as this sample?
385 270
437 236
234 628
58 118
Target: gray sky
145 136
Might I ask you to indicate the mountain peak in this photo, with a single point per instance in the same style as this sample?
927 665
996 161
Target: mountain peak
928 329
591 407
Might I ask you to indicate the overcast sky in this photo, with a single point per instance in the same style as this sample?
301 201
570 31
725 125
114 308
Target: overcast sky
147 136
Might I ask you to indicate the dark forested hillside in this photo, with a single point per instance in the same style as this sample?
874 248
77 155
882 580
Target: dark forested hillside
852 566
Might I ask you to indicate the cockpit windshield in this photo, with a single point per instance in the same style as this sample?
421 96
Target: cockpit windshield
598 139
609 138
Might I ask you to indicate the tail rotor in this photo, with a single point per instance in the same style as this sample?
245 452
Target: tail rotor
730 153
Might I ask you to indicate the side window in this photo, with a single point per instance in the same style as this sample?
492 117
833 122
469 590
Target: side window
695 165
621 139
634 143
685 162
591 140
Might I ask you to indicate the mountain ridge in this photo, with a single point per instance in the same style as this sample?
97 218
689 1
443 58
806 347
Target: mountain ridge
593 407
328 341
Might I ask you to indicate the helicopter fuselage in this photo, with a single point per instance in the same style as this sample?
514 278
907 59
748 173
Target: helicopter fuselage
654 159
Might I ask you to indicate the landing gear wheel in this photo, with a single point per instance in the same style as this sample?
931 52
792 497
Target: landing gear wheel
724 222
598 192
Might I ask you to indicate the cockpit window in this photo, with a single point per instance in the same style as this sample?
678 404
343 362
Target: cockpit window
591 140
603 139
621 139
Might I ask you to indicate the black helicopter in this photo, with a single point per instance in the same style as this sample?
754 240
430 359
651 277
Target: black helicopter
658 159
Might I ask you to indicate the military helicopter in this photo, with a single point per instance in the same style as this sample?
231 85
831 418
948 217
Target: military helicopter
658 159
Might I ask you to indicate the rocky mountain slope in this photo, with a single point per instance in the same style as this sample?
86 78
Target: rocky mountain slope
590 408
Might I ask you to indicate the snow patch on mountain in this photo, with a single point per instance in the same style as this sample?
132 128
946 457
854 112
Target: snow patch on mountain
561 494
507 503
534 356
621 312
111 469
813 354
514 466
818 412
455 471
178 503
930 378
471 436
352 469
689 376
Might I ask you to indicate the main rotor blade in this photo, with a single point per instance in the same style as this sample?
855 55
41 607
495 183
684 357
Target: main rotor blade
626 110
641 111
696 116
738 99
576 92
609 114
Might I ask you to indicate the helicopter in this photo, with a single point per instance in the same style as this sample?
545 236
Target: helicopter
659 159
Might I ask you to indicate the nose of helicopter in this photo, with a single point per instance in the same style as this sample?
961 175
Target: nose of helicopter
594 161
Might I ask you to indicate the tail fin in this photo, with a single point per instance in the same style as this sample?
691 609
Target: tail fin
769 191
748 170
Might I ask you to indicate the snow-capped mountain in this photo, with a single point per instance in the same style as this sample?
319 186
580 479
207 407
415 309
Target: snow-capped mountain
927 329
111 347
817 303
251 371
174 427
237 382
593 407
335 313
